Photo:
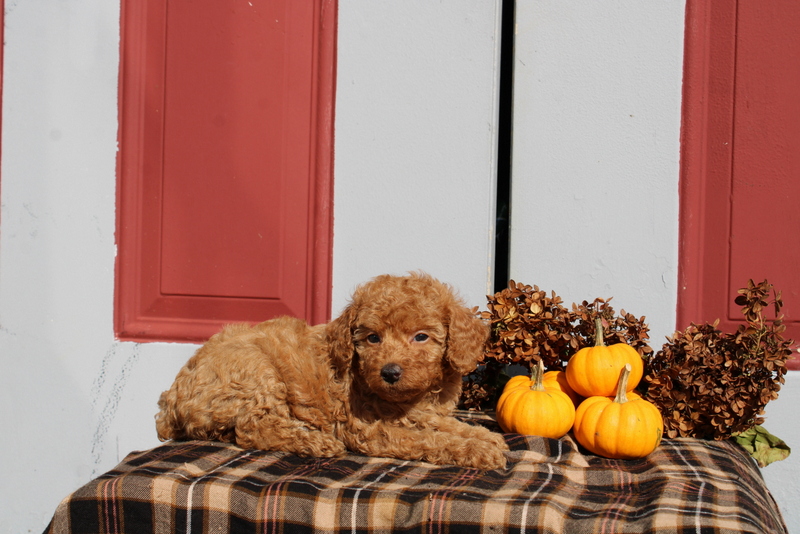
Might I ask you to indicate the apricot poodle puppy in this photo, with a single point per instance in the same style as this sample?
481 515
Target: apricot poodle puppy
382 380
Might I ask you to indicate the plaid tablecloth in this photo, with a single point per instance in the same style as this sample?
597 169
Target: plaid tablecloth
550 486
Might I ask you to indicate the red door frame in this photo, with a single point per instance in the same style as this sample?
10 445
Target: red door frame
706 158
706 115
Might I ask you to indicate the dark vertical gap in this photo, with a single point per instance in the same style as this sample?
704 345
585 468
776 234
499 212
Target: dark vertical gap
505 109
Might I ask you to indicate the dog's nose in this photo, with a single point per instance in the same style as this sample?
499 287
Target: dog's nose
391 373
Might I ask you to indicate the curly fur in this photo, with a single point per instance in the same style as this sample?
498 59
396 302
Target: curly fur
382 380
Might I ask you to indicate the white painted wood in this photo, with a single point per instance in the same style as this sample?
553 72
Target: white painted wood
416 130
597 93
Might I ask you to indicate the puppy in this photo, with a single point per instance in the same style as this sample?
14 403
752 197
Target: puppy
382 380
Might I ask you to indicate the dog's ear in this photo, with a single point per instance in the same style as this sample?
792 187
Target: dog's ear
339 333
466 337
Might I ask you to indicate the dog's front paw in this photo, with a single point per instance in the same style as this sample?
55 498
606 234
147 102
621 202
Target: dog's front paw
492 437
482 454
498 440
322 445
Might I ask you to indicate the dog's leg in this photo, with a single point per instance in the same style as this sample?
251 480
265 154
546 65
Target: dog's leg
277 433
436 446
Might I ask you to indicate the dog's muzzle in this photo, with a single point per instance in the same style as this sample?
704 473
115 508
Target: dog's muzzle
391 373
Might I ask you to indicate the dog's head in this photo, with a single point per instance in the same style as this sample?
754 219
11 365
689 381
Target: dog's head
402 335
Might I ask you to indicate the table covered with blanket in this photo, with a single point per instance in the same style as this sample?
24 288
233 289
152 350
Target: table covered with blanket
549 486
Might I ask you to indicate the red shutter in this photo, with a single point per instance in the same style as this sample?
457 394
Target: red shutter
740 165
224 193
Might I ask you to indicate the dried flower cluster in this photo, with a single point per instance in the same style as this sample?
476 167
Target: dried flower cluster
709 384
527 325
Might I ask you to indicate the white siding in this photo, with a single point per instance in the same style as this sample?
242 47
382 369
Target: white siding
597 97
416 124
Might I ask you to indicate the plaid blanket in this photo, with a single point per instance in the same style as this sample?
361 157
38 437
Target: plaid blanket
550 486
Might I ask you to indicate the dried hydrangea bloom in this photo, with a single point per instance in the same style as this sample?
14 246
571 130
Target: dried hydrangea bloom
710 384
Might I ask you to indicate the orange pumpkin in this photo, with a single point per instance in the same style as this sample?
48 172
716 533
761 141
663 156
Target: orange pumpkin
534 409
550 380
517 381
594 371
625 426
558 380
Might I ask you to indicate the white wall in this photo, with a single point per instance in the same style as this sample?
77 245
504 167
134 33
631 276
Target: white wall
783 478
596 151
416 128
414 166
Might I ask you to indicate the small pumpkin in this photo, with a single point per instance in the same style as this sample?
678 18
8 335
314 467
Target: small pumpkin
558 380
625 426
550 380
594 371
517 381
533 409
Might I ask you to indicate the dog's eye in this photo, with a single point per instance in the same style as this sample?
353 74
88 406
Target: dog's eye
421 337
374 338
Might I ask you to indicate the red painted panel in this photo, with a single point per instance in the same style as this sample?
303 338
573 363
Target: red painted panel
739 170
765 220
226 101
226 113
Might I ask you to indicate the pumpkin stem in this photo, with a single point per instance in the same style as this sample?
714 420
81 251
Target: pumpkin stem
537 375
598 332
622 384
